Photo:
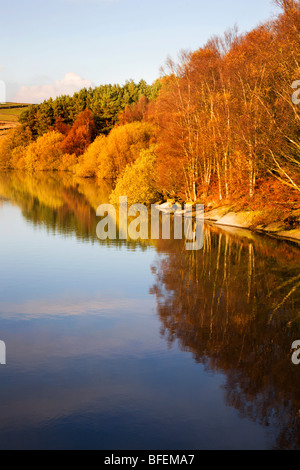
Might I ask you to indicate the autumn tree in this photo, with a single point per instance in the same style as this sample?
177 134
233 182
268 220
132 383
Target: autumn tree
81 135
13 146
87 165
45 153
122 147
184 114
137 182
61 126
135 112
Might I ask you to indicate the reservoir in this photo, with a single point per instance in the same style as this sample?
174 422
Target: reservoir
123 344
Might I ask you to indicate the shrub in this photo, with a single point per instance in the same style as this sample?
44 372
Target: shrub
137 181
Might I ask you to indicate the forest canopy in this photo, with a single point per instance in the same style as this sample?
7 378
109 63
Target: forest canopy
221 124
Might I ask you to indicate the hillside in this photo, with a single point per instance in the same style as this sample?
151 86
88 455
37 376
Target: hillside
9 114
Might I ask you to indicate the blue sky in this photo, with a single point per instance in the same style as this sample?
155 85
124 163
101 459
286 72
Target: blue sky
106 41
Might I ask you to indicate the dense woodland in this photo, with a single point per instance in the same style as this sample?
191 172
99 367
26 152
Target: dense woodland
219 126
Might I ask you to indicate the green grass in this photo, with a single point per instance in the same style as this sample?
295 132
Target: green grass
10 115
7 105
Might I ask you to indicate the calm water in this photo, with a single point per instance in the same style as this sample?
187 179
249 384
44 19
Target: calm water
121 345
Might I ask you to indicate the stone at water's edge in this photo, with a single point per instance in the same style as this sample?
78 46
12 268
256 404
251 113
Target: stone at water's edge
166 205
239 219
217 214
292 234
248 220
275 227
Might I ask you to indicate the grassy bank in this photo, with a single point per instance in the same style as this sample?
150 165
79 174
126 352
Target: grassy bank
9 116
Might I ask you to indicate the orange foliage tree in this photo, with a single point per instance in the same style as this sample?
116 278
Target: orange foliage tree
226 119
81 135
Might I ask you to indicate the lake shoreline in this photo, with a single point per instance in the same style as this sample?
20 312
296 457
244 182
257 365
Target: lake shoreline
251 220
226 216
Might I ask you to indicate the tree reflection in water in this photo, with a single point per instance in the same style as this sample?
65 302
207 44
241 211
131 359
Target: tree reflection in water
236 306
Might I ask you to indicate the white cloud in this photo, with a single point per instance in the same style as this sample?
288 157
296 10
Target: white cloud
70 84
